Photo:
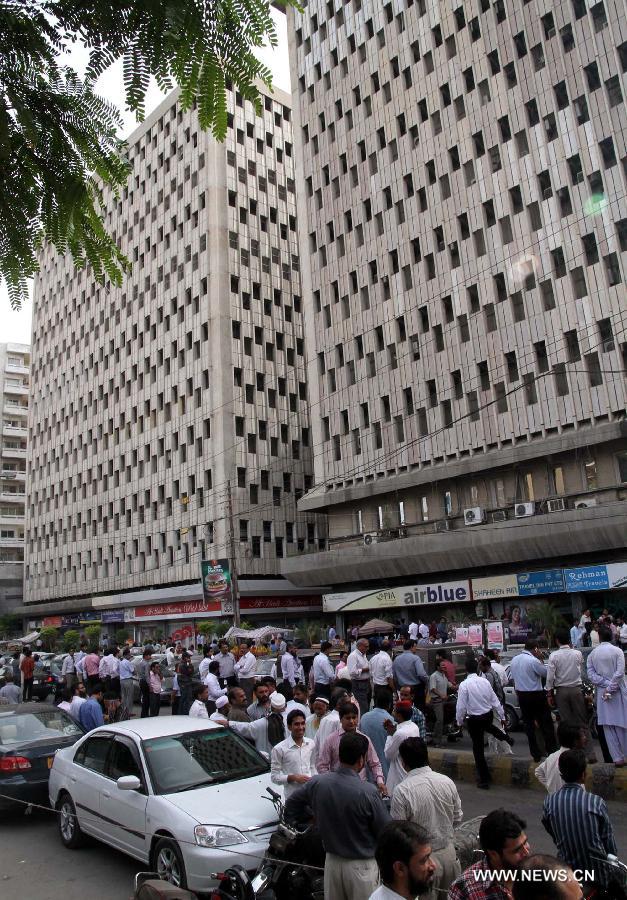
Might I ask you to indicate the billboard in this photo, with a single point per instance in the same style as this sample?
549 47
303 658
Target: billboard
406 596
521 584
596 578
216 584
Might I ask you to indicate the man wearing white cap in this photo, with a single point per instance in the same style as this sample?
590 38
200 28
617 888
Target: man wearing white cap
222 711
267 732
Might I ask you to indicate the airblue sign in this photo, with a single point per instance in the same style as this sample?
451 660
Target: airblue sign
549 581
587 578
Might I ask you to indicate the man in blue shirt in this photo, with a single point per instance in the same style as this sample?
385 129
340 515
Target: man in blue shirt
528 671
90 713
409 670
371 724
578 821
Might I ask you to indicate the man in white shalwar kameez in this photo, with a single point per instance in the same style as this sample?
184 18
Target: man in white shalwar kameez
606 670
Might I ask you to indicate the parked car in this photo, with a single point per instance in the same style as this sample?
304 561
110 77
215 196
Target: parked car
46 678
182 796
30 735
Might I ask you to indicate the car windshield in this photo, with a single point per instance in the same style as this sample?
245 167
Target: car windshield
181 762
44 725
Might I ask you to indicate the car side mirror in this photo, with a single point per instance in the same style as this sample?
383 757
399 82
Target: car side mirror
129 783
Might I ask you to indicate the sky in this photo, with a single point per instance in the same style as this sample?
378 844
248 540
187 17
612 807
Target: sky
15 326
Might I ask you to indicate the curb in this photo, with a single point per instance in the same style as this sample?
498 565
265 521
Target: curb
603 779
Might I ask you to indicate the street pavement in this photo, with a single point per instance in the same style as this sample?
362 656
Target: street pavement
33 862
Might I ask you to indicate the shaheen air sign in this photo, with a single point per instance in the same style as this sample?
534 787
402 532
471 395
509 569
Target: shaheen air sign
407 595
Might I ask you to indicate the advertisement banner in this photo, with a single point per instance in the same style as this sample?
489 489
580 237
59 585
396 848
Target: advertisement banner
216 583
550 581
52 621
475 635
461 635
388 598
89 617
494 635
596 578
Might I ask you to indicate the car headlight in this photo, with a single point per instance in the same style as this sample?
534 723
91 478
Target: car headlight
218 836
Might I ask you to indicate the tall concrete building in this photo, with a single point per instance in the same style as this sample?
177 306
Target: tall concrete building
461 184
148 400
14 391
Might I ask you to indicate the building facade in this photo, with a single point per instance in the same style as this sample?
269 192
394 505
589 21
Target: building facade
14 393
461 183
169 416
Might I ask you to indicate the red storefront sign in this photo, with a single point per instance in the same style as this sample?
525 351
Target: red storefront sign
52 621
314 602
180 608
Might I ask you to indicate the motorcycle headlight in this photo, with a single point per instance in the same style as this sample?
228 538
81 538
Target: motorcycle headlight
218 836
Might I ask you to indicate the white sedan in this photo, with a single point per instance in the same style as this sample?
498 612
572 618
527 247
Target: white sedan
182 795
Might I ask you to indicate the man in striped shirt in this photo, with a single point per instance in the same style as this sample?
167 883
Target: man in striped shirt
578 821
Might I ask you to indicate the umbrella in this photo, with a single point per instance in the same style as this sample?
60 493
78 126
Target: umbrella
375 626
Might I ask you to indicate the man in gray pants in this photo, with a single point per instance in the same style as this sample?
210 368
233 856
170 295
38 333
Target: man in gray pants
127 685
563 684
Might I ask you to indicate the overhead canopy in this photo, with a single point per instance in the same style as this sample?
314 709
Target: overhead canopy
375 626
28 638
256 634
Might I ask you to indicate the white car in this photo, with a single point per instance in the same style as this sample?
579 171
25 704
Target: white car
182 795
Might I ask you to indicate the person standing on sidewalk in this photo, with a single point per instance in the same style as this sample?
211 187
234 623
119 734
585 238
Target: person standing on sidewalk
227 665
127 687
606 671
409 670
91 666
396 734
143 675
563 687
155 687
27 667
185 681
68 670
439 686
359 674
293 759
381 671
245 669
323 671
477 700
527 671
350 871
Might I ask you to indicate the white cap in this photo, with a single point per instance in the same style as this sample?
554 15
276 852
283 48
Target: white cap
277 701
220 702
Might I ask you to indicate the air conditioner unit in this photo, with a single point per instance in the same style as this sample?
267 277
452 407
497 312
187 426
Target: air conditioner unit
521 510
370 537
443 525
585 504
499 515
608 345
558 505
402 531
474 516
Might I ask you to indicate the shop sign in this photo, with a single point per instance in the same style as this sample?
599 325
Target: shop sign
52 621
522 584
530 584
252 603
178 610
596 578
410 595
89 617
494 635
109 616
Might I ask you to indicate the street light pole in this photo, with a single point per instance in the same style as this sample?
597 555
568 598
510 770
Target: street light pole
234 584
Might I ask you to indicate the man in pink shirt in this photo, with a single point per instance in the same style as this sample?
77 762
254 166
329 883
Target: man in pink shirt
329 756
91 666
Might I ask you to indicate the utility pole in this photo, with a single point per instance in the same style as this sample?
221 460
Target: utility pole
234 584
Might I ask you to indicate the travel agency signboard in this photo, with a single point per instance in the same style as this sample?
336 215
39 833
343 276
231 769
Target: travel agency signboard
596 578
394 597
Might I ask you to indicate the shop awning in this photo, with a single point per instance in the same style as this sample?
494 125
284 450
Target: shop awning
375 626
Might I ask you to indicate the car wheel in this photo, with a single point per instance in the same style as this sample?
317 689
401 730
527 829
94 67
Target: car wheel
168 862
511 719
71 835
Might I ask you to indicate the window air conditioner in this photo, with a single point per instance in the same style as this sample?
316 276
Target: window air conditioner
499 515
474 516
443 525
586 503
521 510
370 537
557 505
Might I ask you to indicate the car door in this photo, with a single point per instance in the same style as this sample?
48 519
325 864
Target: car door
86 781
125 811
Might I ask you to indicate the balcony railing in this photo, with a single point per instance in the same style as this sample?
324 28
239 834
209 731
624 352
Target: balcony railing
12 475
12 542
19 452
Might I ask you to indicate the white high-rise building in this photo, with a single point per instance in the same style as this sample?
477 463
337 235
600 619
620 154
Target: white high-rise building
461 183
14 392
151 398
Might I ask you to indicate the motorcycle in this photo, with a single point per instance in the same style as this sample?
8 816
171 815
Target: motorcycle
611 878
293 866
451 732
